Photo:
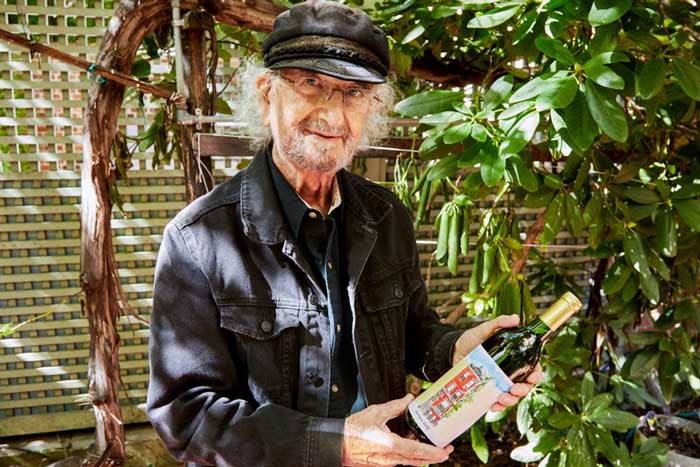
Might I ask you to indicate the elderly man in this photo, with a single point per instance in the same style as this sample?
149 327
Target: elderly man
288 303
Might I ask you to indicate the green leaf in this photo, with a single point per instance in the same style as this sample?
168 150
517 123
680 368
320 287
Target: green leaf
643 362
479 132
580 452
606 58
457 133
558 96
616 277
613 419
524 418
493 18
688 76
573 215
642 211
562 420
689 210
516 109
141 68
492 165
520 134
498 92
666 234
634 252
429 102
588 388
479 445
554 49
658 264
642 195
537 86
599 402
607 11
580 123
442 117
553 219
521 174
651 78
689 190
222 107
414 33
645 338
605 76
650 287
606 112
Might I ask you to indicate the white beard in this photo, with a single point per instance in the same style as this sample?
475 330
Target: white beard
310 152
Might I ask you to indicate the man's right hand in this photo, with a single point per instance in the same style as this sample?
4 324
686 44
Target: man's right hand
368 442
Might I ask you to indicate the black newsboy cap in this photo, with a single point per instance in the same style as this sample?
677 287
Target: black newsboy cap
328 38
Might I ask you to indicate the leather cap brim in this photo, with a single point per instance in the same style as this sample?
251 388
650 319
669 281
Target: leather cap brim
333 67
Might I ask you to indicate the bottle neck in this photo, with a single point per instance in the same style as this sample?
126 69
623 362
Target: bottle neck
539 328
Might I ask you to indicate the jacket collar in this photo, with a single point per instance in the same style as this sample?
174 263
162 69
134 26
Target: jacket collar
262 215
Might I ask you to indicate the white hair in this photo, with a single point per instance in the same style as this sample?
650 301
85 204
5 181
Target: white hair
246 107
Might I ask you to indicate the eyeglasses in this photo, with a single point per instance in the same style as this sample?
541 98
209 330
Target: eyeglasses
312 88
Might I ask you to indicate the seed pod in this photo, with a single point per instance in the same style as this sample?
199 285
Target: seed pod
443 233
453 243
422 203
464 238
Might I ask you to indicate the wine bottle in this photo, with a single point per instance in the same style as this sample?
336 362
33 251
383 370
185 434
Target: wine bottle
466 392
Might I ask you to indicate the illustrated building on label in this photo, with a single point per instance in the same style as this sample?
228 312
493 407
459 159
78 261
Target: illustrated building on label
463 385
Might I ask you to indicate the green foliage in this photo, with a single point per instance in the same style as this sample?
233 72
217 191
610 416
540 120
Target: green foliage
609 90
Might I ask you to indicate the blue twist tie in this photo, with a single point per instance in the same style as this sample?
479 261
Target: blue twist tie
101 79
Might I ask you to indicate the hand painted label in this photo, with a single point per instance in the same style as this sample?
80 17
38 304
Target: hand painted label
459 398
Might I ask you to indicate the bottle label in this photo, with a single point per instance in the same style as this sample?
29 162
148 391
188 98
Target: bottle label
459 398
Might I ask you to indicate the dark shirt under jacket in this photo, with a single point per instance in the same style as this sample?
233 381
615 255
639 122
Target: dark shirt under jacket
317 237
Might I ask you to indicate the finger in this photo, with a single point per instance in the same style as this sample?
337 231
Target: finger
394 408
536 376
489 328
520 389
497 407
417 450
508 399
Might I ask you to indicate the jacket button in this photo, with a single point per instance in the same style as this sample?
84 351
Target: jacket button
313 300
266 326
398 293
318 382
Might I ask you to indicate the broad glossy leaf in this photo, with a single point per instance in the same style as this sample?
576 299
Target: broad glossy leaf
606 112
606 58
429 102
524 418
562 420
642 211
605 39
580 123
642 195
457 133
634 252
580 452
413 34
588 388
616 277
553 219
522 175
573 215
554 49
605 76
650 287
658 264
442 117
599 402
558 96
613 419
688 76
643 362
498 92
688 190
520 134
516 109
493 18
492 165
607 11
651 78
537 86
689 210
666 234
479 132
479 445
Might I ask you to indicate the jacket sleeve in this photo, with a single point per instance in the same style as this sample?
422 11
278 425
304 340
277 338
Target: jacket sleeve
196 400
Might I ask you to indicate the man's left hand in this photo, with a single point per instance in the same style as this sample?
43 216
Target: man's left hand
475 336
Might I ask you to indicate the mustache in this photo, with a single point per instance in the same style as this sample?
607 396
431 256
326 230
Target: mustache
324 128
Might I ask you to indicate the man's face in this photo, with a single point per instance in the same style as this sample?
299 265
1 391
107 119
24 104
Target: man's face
321 132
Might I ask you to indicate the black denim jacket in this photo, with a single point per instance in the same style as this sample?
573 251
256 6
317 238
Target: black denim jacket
239 345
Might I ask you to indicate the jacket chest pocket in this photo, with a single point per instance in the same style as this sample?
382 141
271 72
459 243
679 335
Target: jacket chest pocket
385 302
266 349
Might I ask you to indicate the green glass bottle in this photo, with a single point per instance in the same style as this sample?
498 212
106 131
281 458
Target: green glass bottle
464 394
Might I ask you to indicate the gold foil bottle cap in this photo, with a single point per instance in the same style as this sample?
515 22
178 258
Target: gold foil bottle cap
561 311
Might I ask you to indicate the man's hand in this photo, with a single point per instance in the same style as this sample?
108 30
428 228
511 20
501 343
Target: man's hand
475 336
367 442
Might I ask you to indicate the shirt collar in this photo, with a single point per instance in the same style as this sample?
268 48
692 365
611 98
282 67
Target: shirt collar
293 205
